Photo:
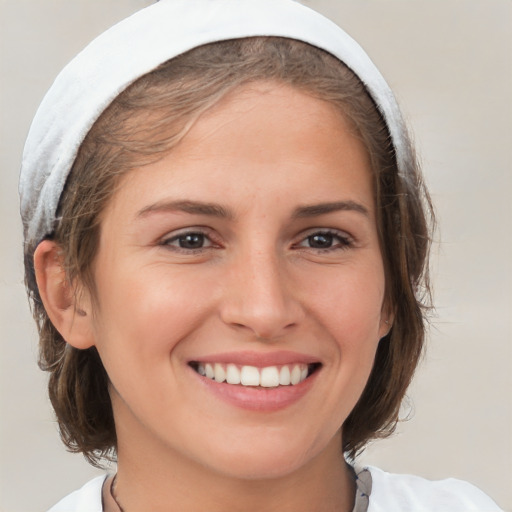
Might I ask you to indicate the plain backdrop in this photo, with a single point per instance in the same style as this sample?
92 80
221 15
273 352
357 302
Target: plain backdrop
449 62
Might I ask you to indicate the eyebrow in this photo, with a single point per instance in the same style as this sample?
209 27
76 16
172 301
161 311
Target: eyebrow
216 210
315 210
193 207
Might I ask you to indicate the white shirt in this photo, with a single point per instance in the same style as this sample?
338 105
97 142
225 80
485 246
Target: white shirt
383 492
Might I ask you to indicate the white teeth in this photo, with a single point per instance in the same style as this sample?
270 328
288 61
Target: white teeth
267 377
284 376
250 376
220 373
232 374
295 375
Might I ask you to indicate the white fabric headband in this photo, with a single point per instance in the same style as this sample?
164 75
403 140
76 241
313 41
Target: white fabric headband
140 43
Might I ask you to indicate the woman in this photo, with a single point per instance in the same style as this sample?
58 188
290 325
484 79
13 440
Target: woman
226 243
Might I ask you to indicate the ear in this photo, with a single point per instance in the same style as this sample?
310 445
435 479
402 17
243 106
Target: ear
387 317
60 297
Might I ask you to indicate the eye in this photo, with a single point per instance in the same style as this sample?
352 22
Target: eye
320 240
188 241
325 240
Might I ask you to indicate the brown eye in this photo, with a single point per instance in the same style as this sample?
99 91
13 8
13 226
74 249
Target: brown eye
191 241
326 241
188 241
321 240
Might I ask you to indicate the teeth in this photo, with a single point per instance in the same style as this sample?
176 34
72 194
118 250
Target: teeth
250 376
295 375
267 377
284 376
232 374
270 377
220 373
209 371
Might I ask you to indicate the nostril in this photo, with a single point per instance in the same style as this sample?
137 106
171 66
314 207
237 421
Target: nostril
268 315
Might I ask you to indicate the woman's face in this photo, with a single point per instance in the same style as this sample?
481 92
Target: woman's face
250 252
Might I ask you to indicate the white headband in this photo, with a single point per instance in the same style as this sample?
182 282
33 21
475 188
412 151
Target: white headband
140 43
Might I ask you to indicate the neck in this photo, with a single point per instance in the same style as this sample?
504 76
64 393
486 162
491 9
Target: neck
156 475
167 482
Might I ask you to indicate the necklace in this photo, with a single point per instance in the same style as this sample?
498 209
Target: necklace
113 493
361 504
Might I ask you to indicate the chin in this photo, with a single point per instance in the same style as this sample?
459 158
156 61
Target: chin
261 468
259 461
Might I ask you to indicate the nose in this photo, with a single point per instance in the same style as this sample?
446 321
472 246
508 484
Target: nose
259 296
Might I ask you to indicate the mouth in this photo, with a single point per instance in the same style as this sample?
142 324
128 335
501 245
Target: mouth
253 376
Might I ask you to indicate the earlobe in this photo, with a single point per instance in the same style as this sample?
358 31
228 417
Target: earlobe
386 321
59 297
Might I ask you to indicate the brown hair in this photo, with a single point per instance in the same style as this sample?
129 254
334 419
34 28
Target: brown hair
146 121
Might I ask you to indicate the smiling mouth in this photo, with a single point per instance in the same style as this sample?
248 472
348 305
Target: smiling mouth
252 376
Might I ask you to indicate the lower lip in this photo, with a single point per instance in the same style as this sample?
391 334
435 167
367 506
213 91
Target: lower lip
258 398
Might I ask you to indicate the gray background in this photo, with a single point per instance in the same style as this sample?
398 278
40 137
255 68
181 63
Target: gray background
449 62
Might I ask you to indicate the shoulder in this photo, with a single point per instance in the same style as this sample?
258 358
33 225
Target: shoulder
85 499
412 493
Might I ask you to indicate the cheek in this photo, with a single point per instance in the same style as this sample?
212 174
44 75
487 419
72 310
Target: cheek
147 309
348 301
143 316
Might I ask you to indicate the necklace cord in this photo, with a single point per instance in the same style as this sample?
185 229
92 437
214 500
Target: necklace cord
113 493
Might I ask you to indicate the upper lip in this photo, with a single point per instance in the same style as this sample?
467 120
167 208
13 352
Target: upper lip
257 359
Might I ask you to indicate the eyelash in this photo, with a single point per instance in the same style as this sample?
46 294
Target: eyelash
167 242
344 241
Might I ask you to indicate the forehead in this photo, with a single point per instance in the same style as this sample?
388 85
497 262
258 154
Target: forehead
261 140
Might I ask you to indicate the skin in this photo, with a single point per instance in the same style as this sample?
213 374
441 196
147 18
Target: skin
260 284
